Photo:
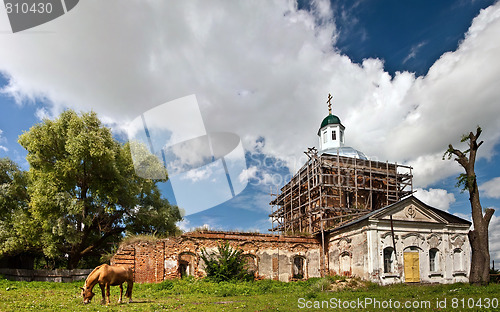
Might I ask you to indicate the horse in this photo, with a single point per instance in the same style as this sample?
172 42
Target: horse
106 276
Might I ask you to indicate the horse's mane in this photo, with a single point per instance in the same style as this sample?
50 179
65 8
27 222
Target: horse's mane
91 273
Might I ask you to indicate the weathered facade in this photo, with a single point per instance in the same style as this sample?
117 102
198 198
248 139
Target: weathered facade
359 218
408 241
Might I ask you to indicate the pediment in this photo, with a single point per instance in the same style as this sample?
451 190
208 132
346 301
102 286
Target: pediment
409 210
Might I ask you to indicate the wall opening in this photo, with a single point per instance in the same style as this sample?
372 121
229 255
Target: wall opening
457 260
433 260
183 268
388 260
298 267
345 264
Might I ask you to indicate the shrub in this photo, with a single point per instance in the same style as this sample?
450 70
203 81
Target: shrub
226 264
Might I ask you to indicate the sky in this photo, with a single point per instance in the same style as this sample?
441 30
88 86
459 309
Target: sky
246 83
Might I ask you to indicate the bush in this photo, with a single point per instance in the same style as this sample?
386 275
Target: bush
226 264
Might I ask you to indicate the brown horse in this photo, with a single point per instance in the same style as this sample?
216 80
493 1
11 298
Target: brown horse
106 276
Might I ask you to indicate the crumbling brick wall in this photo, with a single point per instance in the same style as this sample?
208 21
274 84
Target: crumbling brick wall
272 256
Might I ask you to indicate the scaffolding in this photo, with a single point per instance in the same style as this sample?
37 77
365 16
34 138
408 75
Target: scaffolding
330 190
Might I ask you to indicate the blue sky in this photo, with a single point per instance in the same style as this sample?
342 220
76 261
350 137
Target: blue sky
408 78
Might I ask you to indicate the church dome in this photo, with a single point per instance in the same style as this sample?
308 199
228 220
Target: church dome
330 120
345 151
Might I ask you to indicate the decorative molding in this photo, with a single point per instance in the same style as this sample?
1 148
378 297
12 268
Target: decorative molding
345 253
411 212
386 234
346 239
417 235
434 240
458 240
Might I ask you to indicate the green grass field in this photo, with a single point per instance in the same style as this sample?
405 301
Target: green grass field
266 295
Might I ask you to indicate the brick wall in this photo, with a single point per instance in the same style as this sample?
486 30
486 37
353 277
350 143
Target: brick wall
272 255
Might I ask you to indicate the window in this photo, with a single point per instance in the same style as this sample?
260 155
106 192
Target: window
334 135
388 259
433 260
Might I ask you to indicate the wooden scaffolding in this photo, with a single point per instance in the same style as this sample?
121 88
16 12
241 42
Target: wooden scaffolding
330 190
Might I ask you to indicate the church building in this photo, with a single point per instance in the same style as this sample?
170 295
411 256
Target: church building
342 214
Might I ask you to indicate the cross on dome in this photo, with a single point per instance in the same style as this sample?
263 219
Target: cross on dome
330 97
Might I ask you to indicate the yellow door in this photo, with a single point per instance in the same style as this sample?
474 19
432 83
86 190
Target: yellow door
412 267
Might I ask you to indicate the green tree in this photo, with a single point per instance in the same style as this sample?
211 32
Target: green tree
478 237
17 229
84 190
226 264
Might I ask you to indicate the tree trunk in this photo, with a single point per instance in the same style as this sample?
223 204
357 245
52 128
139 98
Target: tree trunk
480 261
74 258
478 237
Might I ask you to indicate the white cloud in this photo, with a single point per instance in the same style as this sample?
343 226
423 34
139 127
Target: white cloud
494 238
184 225
2 140
247 174
261 70
413 51
199 174
437 198
491 188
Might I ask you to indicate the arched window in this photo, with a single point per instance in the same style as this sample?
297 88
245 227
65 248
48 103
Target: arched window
334 135
388 259
433 260
298 267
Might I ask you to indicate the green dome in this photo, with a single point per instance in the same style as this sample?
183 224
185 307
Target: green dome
330 120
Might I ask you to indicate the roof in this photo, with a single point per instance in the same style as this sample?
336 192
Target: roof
330 120
345 151
443 214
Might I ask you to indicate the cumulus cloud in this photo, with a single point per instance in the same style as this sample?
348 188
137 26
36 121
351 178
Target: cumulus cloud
249 173
262 71
491 188
437 198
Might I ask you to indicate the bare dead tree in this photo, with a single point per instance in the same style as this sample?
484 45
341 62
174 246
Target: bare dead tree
478 237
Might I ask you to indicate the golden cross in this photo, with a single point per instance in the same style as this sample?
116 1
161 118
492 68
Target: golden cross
330 97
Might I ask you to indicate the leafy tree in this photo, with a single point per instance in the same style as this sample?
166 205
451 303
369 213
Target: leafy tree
84 190
478 237
17 229
226 264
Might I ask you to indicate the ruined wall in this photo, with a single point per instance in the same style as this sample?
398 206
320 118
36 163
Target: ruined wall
272 256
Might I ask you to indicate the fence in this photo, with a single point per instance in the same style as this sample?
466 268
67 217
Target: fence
45 275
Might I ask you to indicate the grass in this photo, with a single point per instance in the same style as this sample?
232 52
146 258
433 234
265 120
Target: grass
266 295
